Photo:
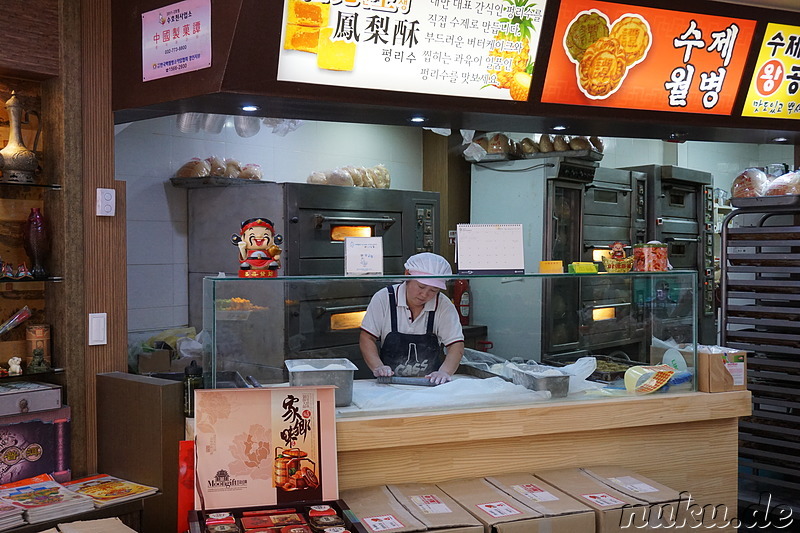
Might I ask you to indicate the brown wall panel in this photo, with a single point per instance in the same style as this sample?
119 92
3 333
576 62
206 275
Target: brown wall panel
30 39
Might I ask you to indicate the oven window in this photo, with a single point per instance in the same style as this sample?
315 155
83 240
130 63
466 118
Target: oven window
603 313
344 321
677 199
677 249
338 233
605 196
599 253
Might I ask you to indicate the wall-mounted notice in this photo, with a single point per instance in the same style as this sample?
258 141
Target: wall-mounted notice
775 88
490 249
632 57
176 39
446 47
363 256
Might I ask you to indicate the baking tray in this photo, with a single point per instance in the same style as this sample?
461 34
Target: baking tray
210 181
597 375
589 155
785 200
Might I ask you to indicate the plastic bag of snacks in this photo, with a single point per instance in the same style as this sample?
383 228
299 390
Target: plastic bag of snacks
650 257
789 183
750 183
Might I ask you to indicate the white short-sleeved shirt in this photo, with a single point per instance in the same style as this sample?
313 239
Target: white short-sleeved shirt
378 321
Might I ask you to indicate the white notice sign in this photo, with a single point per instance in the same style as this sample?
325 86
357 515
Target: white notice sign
363 256
176 39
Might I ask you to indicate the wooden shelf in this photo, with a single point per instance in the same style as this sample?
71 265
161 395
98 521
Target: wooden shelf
53 186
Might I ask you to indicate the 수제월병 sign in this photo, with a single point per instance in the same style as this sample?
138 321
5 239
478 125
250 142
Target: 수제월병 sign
623 56
444 47
775 88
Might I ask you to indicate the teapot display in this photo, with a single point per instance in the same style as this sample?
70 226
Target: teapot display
16 161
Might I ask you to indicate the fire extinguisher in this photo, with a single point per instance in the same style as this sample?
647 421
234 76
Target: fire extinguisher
462 297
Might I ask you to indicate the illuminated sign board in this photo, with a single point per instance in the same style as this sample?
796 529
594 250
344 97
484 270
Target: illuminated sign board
623 56
176 39
775 88
444 47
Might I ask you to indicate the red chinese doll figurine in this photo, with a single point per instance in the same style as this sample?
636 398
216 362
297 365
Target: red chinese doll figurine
259 253
617 250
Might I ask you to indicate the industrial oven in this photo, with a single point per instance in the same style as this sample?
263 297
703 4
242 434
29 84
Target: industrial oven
573 210
322 319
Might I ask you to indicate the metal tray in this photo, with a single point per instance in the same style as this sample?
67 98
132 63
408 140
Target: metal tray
211 181
785 200
597 375
589 155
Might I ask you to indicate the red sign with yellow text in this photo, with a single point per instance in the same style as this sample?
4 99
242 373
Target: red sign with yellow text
631 57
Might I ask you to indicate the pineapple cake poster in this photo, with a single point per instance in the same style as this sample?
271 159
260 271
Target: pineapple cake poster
445 47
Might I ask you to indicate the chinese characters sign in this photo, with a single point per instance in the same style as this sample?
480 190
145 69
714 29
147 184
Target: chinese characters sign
775 87
472 48
634 57
176 39
265 446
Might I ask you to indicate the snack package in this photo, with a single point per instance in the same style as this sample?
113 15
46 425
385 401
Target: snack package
750 183
194 168
789 183
217 165
251 171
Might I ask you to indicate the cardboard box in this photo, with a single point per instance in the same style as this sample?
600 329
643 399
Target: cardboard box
678 510
614 511
719 369
436 510
159 361
378 510
495 509
36 443
564 513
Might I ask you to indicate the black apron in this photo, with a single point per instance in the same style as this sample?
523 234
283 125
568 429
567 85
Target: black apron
409 354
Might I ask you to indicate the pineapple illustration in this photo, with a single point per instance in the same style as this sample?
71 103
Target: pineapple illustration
520 85
519 60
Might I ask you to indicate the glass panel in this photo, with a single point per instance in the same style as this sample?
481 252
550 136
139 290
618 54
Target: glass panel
339 233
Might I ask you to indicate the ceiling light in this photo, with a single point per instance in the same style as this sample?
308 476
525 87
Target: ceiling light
250 108
417 119
780 140
559 128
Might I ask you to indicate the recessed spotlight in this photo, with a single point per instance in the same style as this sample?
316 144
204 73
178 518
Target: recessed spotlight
559 128
780 140
417 119
250 108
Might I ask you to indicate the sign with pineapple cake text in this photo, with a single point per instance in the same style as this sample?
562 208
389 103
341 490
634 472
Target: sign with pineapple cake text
176 39
464 48
631 57
775 88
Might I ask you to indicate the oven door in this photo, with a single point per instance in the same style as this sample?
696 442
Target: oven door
679 201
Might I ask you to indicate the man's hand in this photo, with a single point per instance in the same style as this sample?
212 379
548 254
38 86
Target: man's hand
438 377
383 370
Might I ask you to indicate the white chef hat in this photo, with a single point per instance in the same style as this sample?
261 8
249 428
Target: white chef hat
428 264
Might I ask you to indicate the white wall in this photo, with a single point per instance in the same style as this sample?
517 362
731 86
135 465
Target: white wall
149 152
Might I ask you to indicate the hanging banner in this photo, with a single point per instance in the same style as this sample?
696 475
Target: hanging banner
443 47
775 88
623 56
176 39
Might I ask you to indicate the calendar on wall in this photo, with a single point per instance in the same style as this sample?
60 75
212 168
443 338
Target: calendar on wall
490 249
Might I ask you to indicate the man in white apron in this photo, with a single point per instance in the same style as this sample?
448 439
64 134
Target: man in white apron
406 324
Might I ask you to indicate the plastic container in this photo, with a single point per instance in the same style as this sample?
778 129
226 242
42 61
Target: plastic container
337 372
192 380
650 257
557 385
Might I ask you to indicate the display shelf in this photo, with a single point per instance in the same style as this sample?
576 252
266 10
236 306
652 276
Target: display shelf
37 375
211 181
52 186
760 291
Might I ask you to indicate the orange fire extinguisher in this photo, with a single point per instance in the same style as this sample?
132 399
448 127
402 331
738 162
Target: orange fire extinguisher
462 298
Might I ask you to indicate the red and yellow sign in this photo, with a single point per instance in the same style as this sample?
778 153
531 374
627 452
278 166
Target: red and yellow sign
631 57
775 87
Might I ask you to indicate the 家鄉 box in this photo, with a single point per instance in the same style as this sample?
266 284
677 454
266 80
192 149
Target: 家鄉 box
28 396
564 513
614 511
498 511
719 369
436 510
36 443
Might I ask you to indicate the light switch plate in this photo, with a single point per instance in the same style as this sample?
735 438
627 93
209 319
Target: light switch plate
106 202
97 329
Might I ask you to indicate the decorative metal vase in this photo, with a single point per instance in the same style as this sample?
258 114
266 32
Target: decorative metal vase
36 240
18 163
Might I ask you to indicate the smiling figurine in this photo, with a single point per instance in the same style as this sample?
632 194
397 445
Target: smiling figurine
259 253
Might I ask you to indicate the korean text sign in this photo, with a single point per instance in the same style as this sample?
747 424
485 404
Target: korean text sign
775 88
447 47
176 39
632 57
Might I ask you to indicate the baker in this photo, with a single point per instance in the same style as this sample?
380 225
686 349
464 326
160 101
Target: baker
406 324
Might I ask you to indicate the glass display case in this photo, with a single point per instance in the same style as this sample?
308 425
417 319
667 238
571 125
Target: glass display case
621 322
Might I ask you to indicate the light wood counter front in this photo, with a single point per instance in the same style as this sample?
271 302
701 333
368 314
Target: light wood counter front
688 442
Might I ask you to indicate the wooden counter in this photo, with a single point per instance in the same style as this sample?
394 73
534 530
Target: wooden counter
688 442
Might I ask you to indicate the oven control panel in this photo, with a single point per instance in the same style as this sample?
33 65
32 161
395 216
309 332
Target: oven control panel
424 238
707 273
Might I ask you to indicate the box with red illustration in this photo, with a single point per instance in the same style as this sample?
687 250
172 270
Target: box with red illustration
35 443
